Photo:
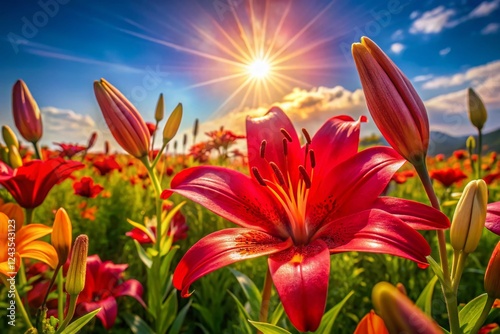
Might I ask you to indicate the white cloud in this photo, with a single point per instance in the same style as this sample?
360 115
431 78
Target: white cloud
439 18
398 35
397 48
471 76
414 14
444 51
491 28
425 77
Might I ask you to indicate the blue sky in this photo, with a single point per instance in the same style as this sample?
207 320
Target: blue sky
144 48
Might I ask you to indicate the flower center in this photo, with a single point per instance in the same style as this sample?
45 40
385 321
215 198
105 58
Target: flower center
293 197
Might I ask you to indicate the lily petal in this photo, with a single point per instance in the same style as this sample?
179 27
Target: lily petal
132 288
42 251
268 128
375 231
300 275
107 314
493 218
31 232
233 196
222 248
417 215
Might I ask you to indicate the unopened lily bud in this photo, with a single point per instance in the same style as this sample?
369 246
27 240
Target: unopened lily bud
27 115
123 119
470 144
9 137
75 279
106 147
62 235
469 217
173 123
160 107
92 140
15 159
371 324
477 110
492 275
195 127
399 313
4 154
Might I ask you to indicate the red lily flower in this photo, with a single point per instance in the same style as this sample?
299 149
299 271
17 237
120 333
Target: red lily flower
151 128
70 150
106 165
300 205
103 284
86 187
493 218
448 176
30 183
460 154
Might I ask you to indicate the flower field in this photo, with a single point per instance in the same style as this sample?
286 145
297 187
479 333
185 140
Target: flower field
300 232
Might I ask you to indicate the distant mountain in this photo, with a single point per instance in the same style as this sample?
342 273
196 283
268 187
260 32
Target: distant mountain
443 143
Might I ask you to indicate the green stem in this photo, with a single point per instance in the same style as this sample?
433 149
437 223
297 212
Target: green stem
52 280
456 255
266 297
37 151
60 295
19 303
28 216
69 315
484 314
153 141
448 292
459 271
160 152
479 153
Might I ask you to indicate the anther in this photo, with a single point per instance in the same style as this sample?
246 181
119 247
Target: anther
263 148
305 177
312 158
259 178
277 172
306 135
285 147
286 134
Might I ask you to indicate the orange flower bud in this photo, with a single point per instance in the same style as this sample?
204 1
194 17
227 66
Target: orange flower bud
123 119
75 279
371 324
27 115
395 106
61 235
477 110
492 275
160 107
173 123
9 137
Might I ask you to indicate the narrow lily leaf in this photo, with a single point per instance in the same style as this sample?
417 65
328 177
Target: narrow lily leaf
78 324
168 312
277 314
243 314
143 229
143 255
436 268
179 320
470 313
170 215
136 324
250 290
266 328
329 318
424 301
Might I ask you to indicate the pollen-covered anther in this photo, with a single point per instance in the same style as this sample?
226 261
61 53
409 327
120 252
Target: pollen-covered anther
258 177
286 134
277 172
305 176
285 147
306 136
312 157
263 145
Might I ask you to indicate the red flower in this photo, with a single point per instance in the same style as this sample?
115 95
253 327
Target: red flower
106 165
301 205
69 150
86 187
103 284
490 178
493 218
460 154
178 229
151 128
30 183
448 176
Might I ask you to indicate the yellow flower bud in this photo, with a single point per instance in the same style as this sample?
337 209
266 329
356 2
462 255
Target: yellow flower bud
470 144
15 160
477 110
9 137
61 235
491 277
4 154
160 106
469 217
75 280
173 123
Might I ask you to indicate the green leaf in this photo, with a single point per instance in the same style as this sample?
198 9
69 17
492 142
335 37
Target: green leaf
436 268
168 218
136 324
470 313
179 320
76 325
266 328
242 313
277 314
424 301
252 293
168 312
329 317
142 254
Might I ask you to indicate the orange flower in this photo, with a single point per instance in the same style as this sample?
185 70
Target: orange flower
371 324
61 235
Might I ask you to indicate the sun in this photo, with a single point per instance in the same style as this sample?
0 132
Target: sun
259 69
